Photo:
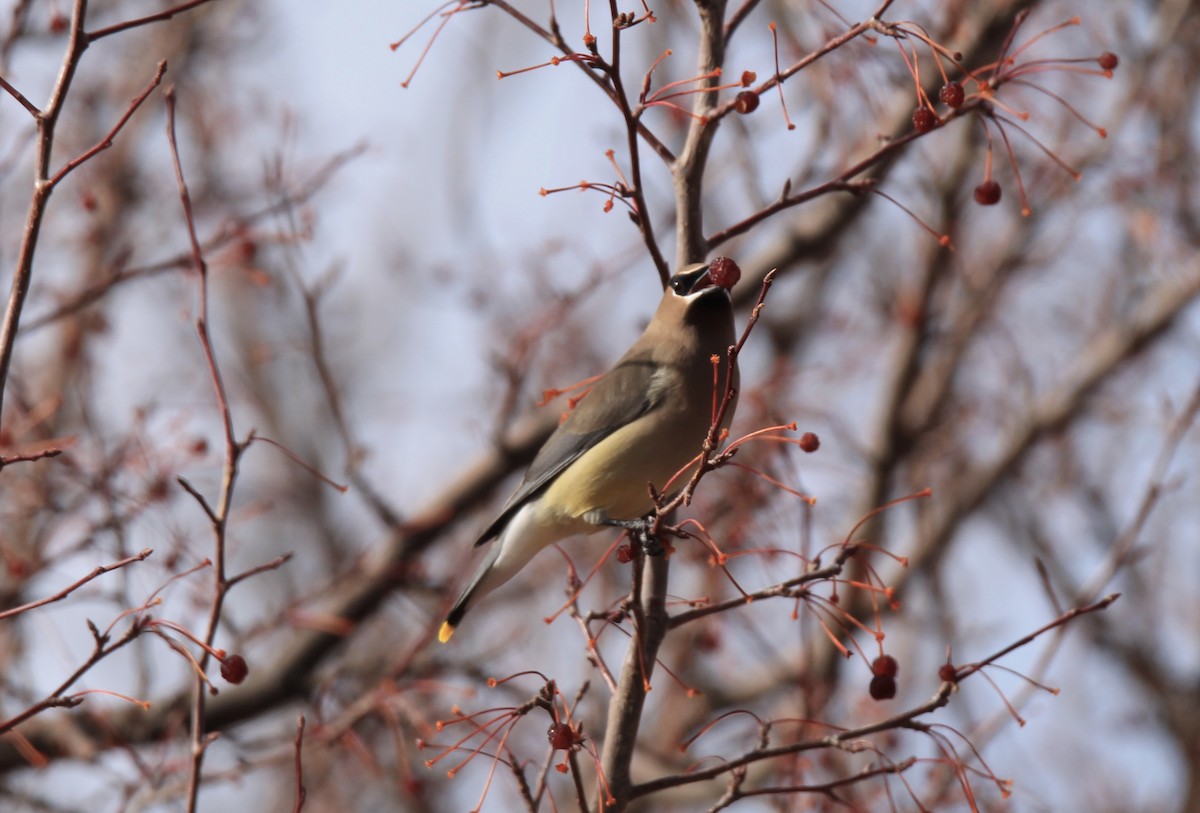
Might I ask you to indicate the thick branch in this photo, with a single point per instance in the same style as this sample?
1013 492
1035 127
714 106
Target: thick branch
692 162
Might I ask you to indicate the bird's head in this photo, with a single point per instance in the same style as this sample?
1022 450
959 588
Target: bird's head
692 280
698 295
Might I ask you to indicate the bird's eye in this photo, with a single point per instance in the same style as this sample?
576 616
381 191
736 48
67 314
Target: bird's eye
684 282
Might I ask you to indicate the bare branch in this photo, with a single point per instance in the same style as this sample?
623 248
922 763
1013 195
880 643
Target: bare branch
71 588
160 16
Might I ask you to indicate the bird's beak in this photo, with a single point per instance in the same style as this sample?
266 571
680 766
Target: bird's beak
691 280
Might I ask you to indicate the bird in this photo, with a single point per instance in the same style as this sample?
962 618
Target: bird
639 425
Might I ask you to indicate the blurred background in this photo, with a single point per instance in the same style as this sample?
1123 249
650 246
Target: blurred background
388 295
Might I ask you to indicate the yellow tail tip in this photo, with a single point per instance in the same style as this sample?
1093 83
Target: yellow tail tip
445 631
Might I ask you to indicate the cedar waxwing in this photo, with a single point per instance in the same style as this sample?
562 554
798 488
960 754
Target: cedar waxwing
639 425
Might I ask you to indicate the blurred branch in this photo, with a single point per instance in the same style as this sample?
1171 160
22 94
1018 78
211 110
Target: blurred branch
301 791
107 141
43 183
1103 357
157 17
68 590
30 457
305 191
355 597
102 647
388 515
47 121
219 516
902 720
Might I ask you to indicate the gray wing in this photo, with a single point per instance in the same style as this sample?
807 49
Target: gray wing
622 396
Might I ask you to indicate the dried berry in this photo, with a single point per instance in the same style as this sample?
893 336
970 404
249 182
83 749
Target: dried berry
561 736
234 668
625 554
987 193
883 687
1108 60
947 673
885 666
745 102
724 272
924 119
809 442
952 95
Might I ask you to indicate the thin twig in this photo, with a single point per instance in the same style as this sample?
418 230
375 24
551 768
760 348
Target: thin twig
102 648
301 791
901 720
68 590
106 142
47 120
233 451
157 17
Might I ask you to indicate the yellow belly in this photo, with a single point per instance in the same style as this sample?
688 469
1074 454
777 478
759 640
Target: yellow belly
611 479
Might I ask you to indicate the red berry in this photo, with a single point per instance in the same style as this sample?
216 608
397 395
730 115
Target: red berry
1108 60
745 102
924 119
885 666
883 687
748 78
158 489
247 250
952 95
234 668
708 641
625 554
947 673
18 568
809 442
561 736
724 272
987 193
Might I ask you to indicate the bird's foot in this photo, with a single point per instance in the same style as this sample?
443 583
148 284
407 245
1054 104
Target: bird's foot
640 530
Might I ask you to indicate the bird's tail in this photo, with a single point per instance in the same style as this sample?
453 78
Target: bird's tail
454 616
464 599
523 536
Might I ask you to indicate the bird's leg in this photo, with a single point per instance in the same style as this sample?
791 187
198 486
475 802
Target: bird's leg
639 529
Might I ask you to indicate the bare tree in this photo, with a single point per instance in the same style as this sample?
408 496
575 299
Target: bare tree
967 236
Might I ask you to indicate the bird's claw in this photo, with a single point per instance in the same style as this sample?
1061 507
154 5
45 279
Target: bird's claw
640 530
